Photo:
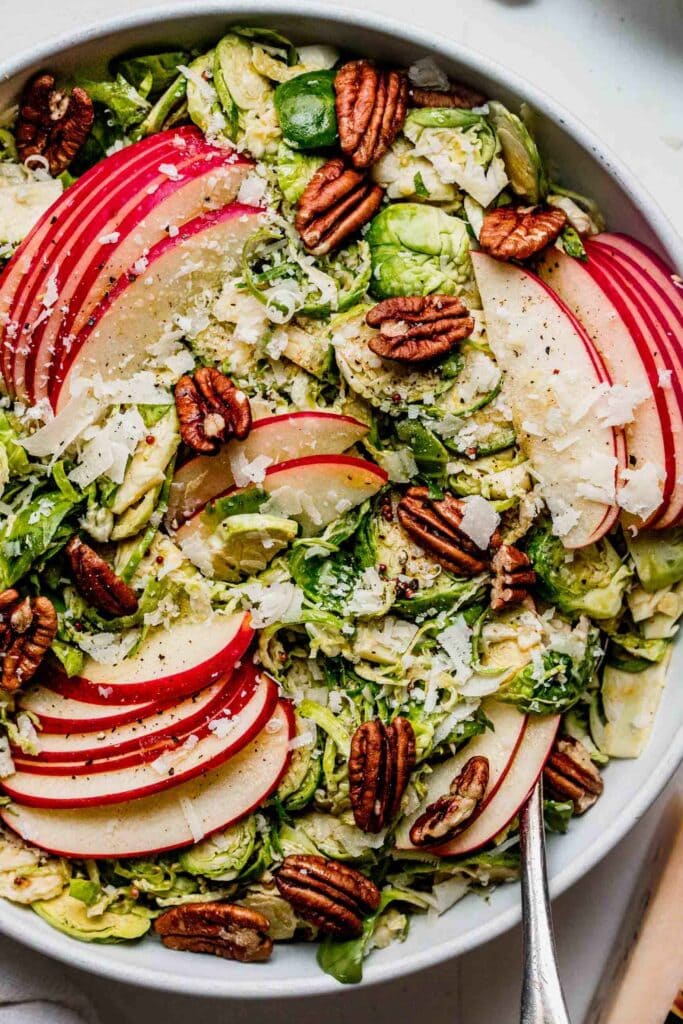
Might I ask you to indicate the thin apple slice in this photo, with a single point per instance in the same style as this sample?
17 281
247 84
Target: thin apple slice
648 324
153 738
114 780
205 178
648 262
278 438
116 740
19 275
139 311
499 746
175 817
591 297
314 491
58 714
172 661
554 377
92 211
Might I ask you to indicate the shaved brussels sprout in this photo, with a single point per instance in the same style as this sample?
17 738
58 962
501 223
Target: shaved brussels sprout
418 249
520 153
331 835
592 582
151 74
658 556
27 874
71 916
623 713
495 477
405 175
462 147
294 171
224 854
203 101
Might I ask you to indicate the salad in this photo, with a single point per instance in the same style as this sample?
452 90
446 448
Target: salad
341 456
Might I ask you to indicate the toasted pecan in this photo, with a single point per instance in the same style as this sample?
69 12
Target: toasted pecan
51 123
511 233
380 763
223 929
27 629
371 108
332 896
211 410
416 328
570 774
97 581
450 814
434 524
335 204
513 576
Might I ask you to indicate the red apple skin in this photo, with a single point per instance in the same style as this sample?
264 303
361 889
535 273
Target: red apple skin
99 819
152 731
16 276
89 720
114 174
174 685
87 271
65 360
131 761
583 286
647 262
650 330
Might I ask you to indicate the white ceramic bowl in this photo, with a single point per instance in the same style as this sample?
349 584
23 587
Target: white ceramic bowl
630 786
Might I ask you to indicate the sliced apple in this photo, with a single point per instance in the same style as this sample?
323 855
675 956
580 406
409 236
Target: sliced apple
206 178
131 777
20 273
506 799
278 438
66 229
140 310
167 820
583 286
146 731
58 714
639 309
649 263
553 377
313 491
172 661
499 746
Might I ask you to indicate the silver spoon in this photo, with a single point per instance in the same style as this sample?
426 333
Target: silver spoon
542 996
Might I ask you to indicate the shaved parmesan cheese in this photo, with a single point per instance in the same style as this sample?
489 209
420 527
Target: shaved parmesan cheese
192 818
171 171
6 763
246 472
60 432
456 642
426 74
480 520
273 602
598 478
108 648
664 378
617 407
110 239
641 494
252 190
369 596
563 516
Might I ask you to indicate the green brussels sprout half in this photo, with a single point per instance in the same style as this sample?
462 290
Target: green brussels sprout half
204 104
169 105
70 915
522 160
238 83
268 37
592 583
294 170
224 854
430 455
658 556
418 249
306 109
623 712
301 779
496 477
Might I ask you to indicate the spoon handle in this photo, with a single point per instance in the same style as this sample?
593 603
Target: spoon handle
542 996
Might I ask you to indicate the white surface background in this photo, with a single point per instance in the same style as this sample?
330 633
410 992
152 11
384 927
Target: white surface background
617 65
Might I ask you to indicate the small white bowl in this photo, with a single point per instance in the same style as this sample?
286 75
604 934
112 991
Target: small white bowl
630 786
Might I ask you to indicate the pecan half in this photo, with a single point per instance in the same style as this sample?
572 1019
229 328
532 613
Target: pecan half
371 108
415 328
224 929
512 579
569 774
52 123
381 760
435 525
27 628
97 581
457 95
516 234
451 813
211 410
332 896
335 204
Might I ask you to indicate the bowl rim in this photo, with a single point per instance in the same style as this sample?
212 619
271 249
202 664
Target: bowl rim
95 959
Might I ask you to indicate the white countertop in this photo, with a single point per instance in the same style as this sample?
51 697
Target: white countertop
617 65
